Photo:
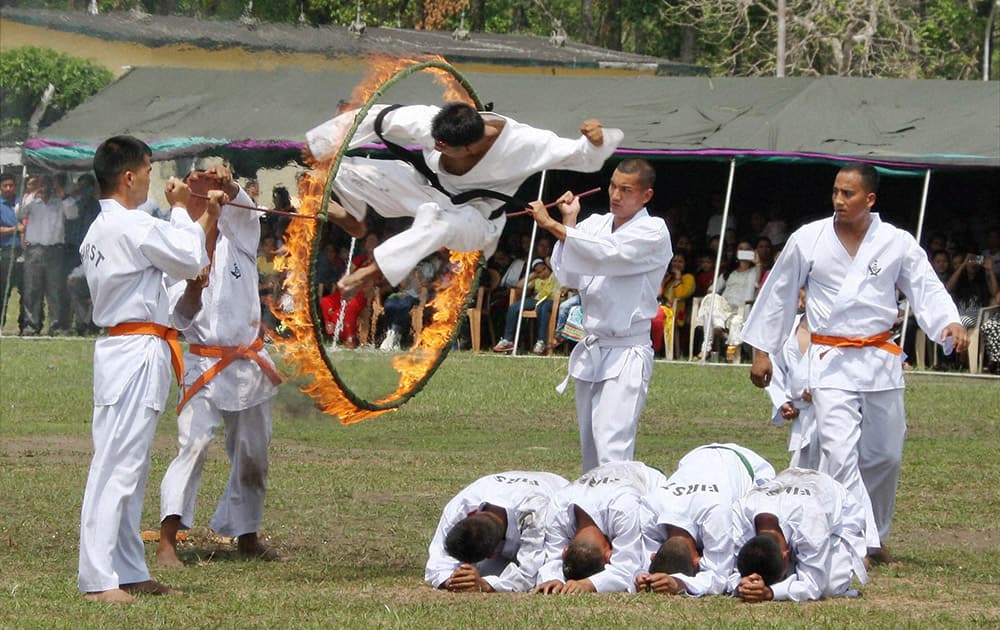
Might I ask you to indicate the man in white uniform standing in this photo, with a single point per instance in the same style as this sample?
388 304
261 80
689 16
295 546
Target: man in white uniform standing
800 537
491 535
616 261
229 377
850 265
595 540
462 150
126 256
693 519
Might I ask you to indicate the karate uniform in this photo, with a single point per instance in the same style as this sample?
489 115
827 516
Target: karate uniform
240 395
126 255
612 495
526 497
618 275
857 392
699 499
788 384
394 188
824 528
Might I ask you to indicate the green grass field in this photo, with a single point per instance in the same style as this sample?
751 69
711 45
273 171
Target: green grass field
352 509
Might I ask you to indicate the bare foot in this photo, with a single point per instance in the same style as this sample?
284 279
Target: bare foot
250 548
151 587
166 557
350 284
343 219
113 596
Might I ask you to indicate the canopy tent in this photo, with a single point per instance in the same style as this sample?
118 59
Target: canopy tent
263 115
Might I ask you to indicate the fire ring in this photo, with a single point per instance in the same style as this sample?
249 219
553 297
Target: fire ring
303 350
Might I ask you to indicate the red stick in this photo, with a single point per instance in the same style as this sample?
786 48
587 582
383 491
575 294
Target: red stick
294 215
585 193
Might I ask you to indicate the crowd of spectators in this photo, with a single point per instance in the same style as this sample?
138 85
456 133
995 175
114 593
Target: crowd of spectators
41 229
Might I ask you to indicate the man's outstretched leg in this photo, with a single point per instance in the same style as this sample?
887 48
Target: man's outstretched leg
350 284
166 549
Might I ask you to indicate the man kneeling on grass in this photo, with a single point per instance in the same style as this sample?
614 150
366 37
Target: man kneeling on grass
491 534
595 542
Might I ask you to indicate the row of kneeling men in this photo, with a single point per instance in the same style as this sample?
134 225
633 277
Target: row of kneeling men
723 523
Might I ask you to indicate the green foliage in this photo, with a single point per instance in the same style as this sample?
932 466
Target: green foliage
951 37
27 71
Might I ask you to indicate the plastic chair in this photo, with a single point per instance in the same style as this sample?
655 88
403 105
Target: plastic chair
977 341
476 312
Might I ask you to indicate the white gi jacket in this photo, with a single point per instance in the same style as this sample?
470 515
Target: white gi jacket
230 313
699 499
526 498
125 256
612 496
618 275
848 297
789 382
518 152
824 528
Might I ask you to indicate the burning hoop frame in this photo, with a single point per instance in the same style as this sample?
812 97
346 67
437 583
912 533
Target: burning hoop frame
304 349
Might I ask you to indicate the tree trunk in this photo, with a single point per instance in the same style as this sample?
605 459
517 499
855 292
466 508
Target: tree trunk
587 31
688 44
612 22
477 15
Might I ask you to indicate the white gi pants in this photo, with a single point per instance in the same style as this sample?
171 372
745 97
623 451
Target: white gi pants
608 411
395 189
860 437
111 549
248 435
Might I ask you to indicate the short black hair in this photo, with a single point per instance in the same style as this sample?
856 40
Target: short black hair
645 170
869 176
458 125
115 156
5 176
673 556
761 555
582 560
473 538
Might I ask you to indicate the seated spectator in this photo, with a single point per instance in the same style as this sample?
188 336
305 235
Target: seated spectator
992 250
775 229
941 263
330 267
740 287
704 273
570 298
765 256
491 535
398 304
677 285
801 537
974 285
544 285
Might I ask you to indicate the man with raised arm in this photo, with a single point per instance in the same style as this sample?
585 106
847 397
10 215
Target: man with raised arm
449 186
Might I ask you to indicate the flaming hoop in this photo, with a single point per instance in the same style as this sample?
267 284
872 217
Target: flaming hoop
304 349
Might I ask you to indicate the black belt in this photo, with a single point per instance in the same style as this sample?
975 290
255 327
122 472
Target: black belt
418 162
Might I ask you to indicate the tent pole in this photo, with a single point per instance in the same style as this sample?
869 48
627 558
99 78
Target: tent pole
920 230
709 331
527 270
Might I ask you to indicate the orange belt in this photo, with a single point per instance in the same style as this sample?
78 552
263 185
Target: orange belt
226 355
880 341
157 330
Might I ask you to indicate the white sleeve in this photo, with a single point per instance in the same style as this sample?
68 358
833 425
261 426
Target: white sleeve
177 248
717 558
541 149
558 533
811 542
931 303
440 565
520 576
773 312
626 552
565 277
241 226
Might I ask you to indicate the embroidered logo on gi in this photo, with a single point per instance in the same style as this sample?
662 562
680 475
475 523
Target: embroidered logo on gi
236 270
873 268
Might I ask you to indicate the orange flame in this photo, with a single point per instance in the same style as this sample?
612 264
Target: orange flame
302 349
